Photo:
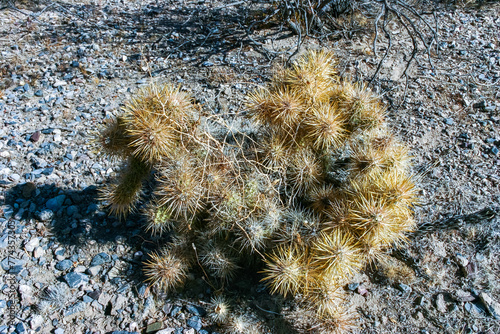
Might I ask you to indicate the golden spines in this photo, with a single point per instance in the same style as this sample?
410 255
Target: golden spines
360 106
305 170
283 108
286 270
325 127
156 119
123 195
312 75
165 270
180 189
336 254
113 140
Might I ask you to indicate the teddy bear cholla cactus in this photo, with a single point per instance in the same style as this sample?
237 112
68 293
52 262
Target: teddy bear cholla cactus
322 191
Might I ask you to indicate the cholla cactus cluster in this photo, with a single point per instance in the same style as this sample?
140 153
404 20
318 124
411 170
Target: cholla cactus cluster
316 192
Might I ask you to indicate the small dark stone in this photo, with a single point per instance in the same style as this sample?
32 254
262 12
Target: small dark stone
94 294
27 189
74 63
35 136
39 93
479 105
494 150
195 322
47 131
464 135
404 288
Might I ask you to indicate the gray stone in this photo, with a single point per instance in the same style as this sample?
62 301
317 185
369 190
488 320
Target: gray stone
100 259
4 240
117 302
87 299
64 265
12 265
75 280
473 308
195 322
55 203
462 260
492 306
20 328
59 331
176 309
93 271
464 296
440 303
154 327
75 308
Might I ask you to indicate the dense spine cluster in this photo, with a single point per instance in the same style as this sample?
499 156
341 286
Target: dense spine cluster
316 193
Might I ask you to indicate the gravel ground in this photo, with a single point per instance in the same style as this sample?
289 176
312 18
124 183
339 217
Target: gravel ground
69 267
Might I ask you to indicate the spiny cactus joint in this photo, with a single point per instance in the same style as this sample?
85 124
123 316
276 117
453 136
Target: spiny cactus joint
318 192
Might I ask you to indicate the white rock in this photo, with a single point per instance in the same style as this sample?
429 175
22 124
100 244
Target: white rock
169 330
39 251
32 244
36 321
492 306
26 293
92 271
80 269
59 83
